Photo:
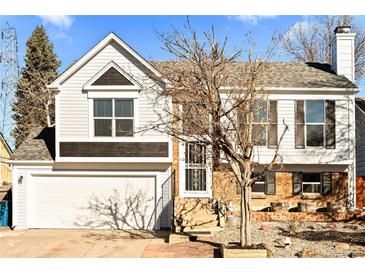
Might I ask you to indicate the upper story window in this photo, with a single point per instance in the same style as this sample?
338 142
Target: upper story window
265 124
314 119
113 117
315 123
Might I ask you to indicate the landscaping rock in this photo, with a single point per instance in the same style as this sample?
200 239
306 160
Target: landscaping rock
357 255
287 242
352 227
306 253
266 227
320 242
279 241
331 226
343 246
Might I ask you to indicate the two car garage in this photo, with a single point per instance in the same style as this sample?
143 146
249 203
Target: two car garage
106 201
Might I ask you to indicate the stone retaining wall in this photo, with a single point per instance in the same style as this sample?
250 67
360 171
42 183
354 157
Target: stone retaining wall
348 216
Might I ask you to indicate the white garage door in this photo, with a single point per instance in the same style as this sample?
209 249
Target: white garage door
92 202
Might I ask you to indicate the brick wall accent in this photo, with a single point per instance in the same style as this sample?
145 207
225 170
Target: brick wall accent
191 212
360 192
224 188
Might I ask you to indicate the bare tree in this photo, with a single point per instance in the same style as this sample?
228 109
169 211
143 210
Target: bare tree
215 106
311 41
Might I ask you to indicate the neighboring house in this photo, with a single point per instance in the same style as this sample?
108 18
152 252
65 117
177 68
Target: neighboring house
91 171
5 170
360 152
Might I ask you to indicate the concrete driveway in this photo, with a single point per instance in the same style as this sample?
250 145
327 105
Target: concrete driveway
51 243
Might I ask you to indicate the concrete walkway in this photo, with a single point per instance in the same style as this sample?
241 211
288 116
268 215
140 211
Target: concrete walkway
51 243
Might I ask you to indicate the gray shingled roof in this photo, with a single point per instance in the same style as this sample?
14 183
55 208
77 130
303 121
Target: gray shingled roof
360 102
39 145
281 74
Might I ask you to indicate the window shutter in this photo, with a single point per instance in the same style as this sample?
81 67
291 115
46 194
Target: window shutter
326 183
273 125
297 183
330 124
299 124
270 186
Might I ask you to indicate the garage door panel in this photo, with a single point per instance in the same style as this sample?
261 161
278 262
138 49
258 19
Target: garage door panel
93 202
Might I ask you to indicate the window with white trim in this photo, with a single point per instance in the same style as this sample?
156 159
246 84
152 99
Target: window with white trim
195 167
312 183
315 123
113 117
264 123
259 186
264 185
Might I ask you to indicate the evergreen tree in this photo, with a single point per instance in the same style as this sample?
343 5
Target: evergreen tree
34 102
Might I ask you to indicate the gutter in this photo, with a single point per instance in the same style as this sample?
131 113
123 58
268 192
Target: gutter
352 90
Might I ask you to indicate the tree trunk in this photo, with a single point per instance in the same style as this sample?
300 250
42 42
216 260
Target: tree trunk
48 116
245 225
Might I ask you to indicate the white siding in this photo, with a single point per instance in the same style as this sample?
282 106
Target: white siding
73 113
20 193
360 143
286 111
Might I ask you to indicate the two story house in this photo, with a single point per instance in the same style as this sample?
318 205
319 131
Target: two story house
98 169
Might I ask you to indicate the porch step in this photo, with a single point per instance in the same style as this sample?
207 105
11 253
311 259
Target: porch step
175 238
202 231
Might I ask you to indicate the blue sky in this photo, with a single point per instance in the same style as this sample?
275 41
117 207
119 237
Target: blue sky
75 35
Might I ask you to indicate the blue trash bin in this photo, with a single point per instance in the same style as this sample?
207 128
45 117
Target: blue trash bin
4 213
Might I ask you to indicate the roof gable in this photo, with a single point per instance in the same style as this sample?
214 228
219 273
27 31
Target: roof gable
110 38
112 77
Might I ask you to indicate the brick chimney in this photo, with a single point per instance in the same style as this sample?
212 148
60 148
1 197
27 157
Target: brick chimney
343 52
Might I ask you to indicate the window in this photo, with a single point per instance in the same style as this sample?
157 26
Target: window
259 186
315 124
113 117
314 120
195 167
265 185
264 125
312 183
